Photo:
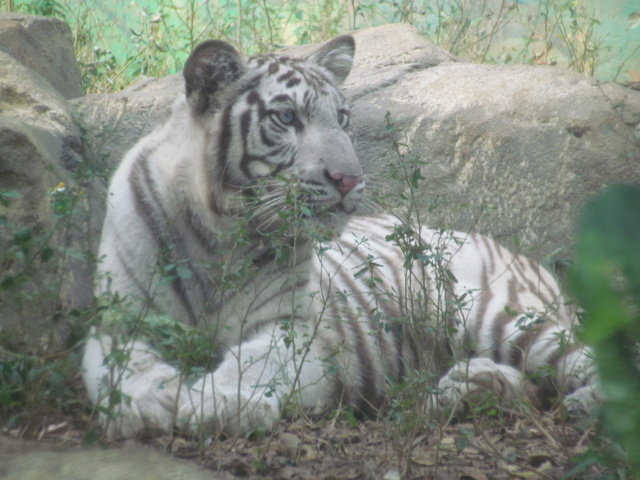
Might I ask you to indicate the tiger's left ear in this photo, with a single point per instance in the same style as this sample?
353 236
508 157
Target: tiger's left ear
211 67
336 56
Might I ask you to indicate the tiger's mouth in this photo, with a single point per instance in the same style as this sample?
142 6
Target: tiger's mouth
342 208
346 204
317 208
303 215
282 204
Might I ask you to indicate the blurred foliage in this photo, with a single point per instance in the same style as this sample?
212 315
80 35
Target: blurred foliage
607 281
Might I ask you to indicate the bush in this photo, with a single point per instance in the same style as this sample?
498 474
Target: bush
607 281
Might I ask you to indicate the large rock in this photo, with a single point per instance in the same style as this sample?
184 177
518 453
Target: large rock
512 151
509 151
44 45
40 154
115 122
26 95
37 461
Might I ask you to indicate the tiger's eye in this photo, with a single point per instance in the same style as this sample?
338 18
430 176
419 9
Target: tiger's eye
286 116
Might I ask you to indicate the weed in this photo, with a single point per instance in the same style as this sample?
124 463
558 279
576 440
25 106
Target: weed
119 43
37 341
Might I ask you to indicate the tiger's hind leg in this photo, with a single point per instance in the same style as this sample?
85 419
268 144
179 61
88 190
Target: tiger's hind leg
473 383
577 380
135 391
477 383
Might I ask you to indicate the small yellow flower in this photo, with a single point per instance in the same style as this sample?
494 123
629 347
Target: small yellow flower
59 188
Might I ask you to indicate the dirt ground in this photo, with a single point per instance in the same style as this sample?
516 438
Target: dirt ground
513 447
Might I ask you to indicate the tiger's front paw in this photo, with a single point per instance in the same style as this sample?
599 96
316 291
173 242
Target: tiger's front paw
473 383
147 402
227 409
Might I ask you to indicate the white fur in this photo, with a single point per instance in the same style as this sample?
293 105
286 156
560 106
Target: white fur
150 388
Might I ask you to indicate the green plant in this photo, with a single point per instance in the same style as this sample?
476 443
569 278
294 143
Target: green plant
117 44
37 357
47 8
607 282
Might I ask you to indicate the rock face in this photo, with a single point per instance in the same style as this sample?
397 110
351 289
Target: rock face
510 151
44 45
32 461
40 148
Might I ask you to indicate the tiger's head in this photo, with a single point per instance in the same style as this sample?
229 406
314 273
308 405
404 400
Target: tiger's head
279 133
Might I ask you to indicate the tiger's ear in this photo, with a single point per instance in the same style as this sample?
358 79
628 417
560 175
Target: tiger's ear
212 65
336 56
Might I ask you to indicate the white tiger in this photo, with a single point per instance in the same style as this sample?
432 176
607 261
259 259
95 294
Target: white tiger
234 217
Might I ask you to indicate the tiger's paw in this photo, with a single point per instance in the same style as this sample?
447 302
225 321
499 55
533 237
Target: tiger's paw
207 410
583 402
148 399
476 383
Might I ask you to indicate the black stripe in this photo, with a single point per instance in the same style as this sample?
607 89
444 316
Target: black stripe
206 238
149 207
126 262
245 127
282 98
142 187
224 145
502 320
273 68
484 296
286 76
367 391
265 138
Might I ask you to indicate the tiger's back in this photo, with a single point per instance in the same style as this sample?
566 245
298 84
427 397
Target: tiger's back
424 299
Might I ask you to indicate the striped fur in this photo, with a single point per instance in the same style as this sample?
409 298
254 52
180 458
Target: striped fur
233 218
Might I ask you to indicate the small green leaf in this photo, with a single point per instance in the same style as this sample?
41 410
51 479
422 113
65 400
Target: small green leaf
361 272
183 272
8 196
22 236
47 254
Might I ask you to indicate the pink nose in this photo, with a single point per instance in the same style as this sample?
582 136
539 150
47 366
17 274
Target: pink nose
345 183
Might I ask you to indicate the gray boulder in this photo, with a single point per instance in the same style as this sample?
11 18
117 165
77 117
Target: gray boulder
115 122
44 45
511 151
20 460
40 151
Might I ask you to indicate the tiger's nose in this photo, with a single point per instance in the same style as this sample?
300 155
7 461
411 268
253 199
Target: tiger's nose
344 183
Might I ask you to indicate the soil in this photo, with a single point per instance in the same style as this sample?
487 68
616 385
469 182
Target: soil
517 446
